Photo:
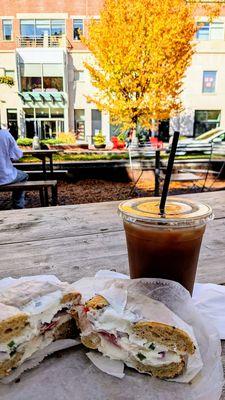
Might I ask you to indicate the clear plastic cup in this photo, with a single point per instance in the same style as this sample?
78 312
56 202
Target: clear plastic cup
166 246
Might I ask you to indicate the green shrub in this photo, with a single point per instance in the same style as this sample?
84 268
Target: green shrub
24 142
52 142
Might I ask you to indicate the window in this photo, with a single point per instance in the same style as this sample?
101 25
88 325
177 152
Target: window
31 84
41 77
40 27
53 83
96 121
79 76
206 120
219 138
57 112
78 28
12 122
27 28
79 124
210 31
115 130
7 29
29 112
52 77
42 112
9 72
57 27
209 82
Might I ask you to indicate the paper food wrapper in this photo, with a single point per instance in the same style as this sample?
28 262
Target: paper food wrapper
71 374
169 303
47 300
38 357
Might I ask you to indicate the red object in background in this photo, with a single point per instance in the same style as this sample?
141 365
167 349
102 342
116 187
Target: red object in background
160 144
156 144
117 144
115 141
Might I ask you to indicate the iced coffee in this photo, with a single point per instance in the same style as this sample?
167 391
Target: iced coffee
164 246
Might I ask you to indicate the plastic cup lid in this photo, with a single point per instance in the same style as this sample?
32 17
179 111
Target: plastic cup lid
177 211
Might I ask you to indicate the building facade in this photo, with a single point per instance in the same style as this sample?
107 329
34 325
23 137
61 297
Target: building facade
40 48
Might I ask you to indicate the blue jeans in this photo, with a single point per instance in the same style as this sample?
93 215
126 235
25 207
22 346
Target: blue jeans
18 196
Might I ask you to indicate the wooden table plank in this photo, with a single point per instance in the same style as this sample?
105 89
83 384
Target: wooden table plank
71 258
60 222
77 220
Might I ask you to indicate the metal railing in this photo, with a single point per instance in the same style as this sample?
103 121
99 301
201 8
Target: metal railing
43 41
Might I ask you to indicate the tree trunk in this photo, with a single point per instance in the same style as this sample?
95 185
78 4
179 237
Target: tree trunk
134 132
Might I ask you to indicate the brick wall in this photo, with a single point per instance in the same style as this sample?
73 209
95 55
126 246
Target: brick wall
80 7
71 7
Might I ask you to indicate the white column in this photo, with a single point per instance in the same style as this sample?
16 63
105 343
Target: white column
3 115
88 133
66 120
45 40
106 126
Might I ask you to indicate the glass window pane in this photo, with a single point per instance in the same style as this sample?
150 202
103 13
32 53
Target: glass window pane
42 27
203 32
7 29
114 130
10 73
217 31
27 28
52 69
30 70
29 112
42 22
57 113
57 27
55 83
96 119
31 84
12 113
78 28
42 112
79 124
214 115
206 120
209 81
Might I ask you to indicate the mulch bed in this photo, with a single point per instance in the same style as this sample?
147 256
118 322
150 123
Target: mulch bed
96 190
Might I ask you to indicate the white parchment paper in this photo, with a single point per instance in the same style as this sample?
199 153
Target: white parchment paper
207 385
71 375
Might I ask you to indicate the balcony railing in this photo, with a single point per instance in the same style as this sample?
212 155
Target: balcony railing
43 41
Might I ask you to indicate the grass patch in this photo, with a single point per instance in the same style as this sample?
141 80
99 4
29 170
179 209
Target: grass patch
110 156
79 157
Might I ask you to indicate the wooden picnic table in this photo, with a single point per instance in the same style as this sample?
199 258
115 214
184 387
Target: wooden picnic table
43 155
76 241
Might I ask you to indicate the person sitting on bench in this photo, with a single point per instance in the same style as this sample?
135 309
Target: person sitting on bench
9 151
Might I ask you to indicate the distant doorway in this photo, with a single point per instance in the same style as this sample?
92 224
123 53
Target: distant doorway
44 129
12 122
164 127
30 129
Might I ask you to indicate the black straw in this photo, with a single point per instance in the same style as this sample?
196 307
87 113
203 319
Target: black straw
168 173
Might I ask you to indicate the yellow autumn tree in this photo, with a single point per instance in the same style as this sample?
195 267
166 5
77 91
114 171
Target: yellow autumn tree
141 51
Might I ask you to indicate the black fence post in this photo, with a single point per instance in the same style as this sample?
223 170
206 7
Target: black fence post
157 172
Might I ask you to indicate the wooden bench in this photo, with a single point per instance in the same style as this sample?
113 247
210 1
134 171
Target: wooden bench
41 186
183 177
38 174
